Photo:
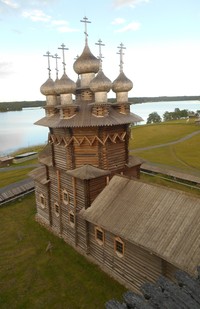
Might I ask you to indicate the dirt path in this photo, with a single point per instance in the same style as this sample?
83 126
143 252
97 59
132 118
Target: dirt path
167 144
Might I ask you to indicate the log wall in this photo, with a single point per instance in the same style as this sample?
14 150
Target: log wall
136 267
87 151
114 151
42 211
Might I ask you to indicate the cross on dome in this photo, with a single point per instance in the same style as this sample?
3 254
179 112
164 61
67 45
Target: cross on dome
56 57
63 48
100 54
85 21
48 55
121 47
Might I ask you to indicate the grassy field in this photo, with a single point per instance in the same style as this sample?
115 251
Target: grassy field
184 155
164 132
30 277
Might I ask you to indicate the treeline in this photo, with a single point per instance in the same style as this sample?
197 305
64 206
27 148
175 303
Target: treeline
177 114
163 98
18 106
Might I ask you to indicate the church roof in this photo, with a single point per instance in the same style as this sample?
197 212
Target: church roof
85 118
87 172
164 221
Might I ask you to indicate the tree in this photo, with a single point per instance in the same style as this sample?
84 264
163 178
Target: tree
154 118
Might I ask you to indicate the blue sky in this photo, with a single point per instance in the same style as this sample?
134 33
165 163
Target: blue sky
162 40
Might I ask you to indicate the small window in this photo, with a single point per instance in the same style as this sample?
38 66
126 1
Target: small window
71 218
119 247
99 235
42 201
56 206
66 198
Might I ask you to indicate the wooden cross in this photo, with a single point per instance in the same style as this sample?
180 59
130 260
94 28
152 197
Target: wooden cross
100 54
56 57
48 55
85 21
121 47
63 48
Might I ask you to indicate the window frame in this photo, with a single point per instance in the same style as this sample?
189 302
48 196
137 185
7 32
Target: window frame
118 240
65 201
56 205
101 240
71 215
42 201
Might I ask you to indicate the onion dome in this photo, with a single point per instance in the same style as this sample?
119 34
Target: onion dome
48 87
100 83
86 63
122 83
65 85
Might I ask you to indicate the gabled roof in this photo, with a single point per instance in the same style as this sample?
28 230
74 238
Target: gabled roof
45 156
87 172
85 118
39 174
163 221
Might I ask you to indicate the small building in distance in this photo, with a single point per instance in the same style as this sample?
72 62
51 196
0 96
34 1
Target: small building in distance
88 188
6 161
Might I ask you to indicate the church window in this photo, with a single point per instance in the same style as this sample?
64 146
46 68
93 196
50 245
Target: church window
56 207
66 198
71 218
42 201
99 235
119 247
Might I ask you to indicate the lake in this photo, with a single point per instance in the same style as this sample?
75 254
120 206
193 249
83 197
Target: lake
17 129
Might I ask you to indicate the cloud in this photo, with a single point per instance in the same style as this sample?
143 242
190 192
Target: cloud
118 21
134 26
11 4
62 26
36 15
59 22
130 3
5 69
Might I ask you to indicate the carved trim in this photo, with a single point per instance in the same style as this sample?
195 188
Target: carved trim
57 140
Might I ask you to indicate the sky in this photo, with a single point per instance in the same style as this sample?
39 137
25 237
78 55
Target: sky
162 40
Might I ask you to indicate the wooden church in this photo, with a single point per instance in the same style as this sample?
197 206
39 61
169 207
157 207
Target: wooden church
88 189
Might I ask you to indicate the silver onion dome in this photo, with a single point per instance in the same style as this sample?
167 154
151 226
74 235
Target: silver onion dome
100 83
65 85
86 62
48 88
122 83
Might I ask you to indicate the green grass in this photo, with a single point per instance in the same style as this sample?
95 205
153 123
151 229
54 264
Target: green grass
184 155
159 180
32 278
189 151
12 176
156 134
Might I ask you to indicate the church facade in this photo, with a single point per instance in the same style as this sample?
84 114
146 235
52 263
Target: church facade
87 186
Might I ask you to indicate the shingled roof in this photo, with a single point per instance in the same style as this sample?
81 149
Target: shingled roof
164 221
85 118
